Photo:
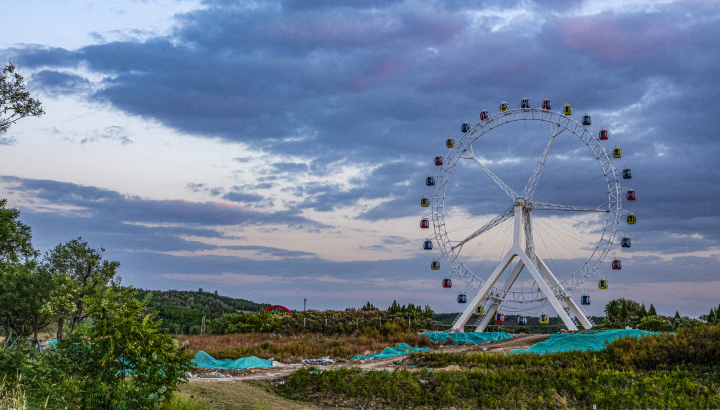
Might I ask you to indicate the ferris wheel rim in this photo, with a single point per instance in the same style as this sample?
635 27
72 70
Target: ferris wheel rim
612 178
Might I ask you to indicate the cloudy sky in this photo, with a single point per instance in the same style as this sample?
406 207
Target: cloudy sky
277 150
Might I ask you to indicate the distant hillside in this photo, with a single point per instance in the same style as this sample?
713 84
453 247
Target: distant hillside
182 311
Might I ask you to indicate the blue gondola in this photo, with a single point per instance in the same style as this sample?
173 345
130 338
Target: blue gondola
525 103
430 181
522 321
586 120
585 299
627 174
462 298
625 242
465 127
427 245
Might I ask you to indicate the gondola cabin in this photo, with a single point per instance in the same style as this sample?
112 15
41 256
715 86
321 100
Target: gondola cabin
427 245
424 223
546 105
586 120
484 115
616 264
626 173
450 143
544 319
465 127
631 219
585 299
602 284
503 106
438 160
630 195
525 103
617 152
462 298
480 310
447 283
430 181
522 321
604 134
425 202
435 265
625 242
567 109
499 318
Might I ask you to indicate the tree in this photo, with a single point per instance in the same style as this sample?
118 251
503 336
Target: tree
652 311
642 312
15 237
15 102
86 267
712 318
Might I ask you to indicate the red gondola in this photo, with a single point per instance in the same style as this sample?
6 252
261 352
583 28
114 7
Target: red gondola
484 115
499 318
447 283
546 105
438 160
630 195
604 134
616 264
424 223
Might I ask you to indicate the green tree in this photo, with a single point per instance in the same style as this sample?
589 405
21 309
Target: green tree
712 318
15 237
642 312
120 339
15 101
86 267
652 311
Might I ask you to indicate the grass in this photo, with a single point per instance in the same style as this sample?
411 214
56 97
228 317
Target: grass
292 349
241 395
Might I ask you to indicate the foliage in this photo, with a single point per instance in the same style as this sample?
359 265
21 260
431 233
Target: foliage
183 402
655 324
369 307
122 341
652 311
15 101
622 312
15 237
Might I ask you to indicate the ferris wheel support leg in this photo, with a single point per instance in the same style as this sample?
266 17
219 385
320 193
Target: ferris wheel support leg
549 294
460 323
493 308
571 303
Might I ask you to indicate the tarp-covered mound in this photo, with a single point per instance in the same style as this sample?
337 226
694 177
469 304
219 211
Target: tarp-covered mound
398 350
205 361
566 342
471 337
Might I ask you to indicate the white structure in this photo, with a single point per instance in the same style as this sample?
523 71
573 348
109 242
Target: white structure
549 289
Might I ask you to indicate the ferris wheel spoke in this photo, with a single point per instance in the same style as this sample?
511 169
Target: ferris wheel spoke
529 190
509 191
554 207
488 226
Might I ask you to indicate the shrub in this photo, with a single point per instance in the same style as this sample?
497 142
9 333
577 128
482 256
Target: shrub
655 324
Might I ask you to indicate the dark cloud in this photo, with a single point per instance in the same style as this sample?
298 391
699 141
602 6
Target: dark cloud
56 82
243 197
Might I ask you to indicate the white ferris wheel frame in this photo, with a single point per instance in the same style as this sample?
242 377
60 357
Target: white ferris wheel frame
556 292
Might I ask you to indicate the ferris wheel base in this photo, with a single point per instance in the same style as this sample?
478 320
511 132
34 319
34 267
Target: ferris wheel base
542 276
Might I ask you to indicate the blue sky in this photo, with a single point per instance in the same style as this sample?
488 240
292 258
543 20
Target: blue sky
276 150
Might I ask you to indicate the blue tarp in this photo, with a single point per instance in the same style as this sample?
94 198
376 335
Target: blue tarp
471 337
205 361
590 340
398 350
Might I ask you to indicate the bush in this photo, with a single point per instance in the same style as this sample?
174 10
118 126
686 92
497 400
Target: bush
182 402
655 324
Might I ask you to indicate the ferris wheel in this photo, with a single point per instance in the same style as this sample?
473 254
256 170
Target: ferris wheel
523 254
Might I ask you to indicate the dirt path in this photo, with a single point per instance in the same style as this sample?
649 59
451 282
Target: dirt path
273 373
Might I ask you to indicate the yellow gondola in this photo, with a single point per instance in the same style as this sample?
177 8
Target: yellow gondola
631 219
480 310
435 265
567 109
503 106
544 319
602 284
617 152
450 143
425 202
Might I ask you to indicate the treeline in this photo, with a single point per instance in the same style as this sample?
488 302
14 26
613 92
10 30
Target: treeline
622 313
182 312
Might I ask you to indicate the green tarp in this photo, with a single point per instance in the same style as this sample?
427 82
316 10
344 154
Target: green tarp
398 350
587 340
470 337
205 361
